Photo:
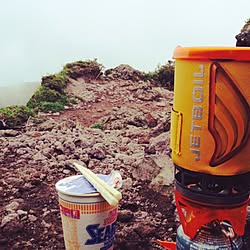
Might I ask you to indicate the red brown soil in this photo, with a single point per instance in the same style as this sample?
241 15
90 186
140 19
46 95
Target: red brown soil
27 190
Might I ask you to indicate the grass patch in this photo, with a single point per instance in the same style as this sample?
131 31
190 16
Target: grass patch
98 125
51 95
44 98
15 116
51 107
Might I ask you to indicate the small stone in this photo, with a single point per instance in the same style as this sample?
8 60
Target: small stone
32 217
125 215
45 224
31 211
12 207
8 218
97 154
115 108
21 212
158 215
66 171
39 157
9 133
42 176
61 158
161 104
21 151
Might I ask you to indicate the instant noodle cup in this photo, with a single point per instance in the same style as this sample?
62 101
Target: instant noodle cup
88 221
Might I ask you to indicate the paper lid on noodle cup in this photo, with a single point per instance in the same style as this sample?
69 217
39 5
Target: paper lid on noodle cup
212 53
78 185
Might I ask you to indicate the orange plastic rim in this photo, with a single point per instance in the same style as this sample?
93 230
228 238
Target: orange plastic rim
212 53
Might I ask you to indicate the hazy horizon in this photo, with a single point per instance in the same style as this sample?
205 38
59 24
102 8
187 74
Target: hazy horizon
17 94
39 37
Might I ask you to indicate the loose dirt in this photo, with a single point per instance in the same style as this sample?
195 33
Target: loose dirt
116 124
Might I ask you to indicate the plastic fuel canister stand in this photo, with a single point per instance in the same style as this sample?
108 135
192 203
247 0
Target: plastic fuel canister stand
210 117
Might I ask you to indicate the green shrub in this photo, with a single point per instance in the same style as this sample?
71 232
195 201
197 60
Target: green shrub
45 94
166 75
98 125
14 116
50 96
150 76
83 64
51 106
163 75
90 69
57 82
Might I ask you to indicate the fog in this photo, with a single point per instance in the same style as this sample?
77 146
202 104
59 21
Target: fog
39 37
17 94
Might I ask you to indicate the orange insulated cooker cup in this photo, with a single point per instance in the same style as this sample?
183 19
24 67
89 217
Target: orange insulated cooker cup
210 116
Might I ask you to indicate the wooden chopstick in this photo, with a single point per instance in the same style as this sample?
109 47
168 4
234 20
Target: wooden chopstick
110 194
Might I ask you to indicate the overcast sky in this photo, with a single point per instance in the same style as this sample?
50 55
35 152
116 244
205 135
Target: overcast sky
39 36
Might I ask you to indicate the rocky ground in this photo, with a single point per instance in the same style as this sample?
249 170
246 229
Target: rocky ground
119 123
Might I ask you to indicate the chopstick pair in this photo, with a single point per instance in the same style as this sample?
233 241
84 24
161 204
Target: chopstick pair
110 194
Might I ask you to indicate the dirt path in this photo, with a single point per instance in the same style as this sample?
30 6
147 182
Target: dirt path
98 99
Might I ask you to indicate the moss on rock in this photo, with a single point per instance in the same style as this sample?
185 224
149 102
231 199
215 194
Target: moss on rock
57 82
14 116
45 95
89 69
